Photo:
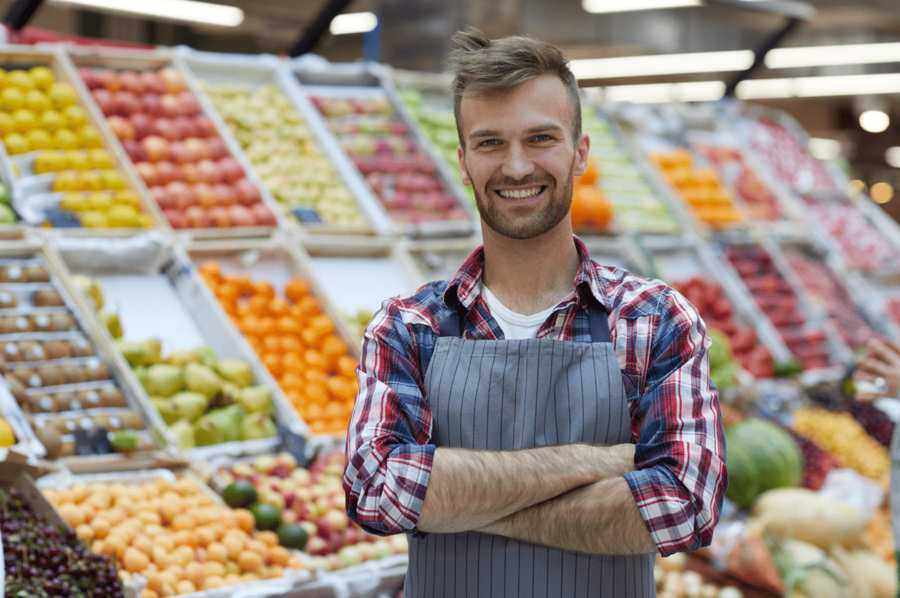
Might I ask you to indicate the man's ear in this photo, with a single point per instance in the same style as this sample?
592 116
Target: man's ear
464 174
582 151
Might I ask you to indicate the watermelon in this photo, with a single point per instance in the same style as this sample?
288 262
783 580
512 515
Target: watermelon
761 456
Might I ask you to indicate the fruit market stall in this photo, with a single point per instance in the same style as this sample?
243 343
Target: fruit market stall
197 372
173 143
63 171
414 187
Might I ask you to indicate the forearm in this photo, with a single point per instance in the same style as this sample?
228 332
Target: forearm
599 519
470 489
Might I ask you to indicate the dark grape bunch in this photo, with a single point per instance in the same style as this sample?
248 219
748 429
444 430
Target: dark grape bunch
817 462
876 422
43 561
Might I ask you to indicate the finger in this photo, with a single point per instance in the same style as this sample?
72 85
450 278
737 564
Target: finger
876 367
867 397
865 376
892 346
881 350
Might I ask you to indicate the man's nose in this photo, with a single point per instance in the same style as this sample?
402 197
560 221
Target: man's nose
517 165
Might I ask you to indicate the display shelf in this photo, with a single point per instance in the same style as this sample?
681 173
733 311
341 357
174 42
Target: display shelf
431 260
189 170
320 342
74 382
156 293
618 252
232 72
420 195
34 193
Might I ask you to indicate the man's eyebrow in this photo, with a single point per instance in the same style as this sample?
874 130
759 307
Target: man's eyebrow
486 133
544 128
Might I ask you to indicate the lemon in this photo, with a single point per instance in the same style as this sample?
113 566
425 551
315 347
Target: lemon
99 201
66 181
15 144
78 160
74 202
99 159
143 221
49 161
42 76
12 99
94 220
24 120
62 95
7 436
122 216
128 198
38 139
112 180
21 79
7 125
75 118
36 101
3 82
89 137
89 181
65 139
52 121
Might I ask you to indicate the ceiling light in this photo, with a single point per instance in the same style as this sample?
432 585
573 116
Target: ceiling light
666 64
892 156
785 58
825 149
855 187
168 10
657 93
354 22
811 87
604 6
882 193
874 121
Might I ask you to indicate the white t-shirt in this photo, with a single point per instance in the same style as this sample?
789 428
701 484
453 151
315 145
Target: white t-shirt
515 326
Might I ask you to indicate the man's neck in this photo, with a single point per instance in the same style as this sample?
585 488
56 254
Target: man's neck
529 276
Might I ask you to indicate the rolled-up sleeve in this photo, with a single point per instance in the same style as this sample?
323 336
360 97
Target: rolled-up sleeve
681 477
388 456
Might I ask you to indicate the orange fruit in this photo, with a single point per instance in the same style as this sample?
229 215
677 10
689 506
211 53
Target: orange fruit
321 324
591 174
313 411
292 381
273 362
315 376
250 562
333 410
267 537
346 366
318 427
288 325
317 393
296 289
278 308
216 551
258 305
183 521
245 520
290 343
292 362
339 390
591 209
266 325
243 283
279 555
211 268
264 288
314 360
306 308
186 538
272 344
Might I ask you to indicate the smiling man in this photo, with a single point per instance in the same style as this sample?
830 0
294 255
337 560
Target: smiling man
541 424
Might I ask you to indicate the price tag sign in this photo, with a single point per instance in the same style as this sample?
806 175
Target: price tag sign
293 443
93 442
307 215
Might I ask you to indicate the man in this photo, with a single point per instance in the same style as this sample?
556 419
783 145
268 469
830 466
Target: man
498 411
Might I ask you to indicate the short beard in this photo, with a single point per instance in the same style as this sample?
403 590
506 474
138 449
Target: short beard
533 226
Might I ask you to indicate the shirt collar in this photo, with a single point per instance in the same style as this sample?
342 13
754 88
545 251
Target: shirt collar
462 290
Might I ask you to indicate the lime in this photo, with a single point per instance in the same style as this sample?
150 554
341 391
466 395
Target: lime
239 494
292 536
267 517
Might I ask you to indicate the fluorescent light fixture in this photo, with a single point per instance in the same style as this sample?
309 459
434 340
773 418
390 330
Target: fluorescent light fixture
665 64
354 22
657 93
170 10
825 149
786 58
814 87
874 121
892 156
882 192
604 6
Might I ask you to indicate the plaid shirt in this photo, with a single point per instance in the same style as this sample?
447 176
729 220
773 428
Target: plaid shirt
661 346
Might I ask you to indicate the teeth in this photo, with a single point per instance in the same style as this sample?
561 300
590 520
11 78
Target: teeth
520 194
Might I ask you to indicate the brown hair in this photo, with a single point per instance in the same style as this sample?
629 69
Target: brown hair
485 67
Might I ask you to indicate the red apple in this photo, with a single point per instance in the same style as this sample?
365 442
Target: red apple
157 148
105 101
151 104
103 77
175 218
187 125
209 171
263 216
182 194
316 546
198 148
197 217
222 219
132 82
162 197
89 78
183 127
173 80
148 172
225 194
248 194
180 153
189 103
191 173
166 128
241 216
206 195
143 125
135 150
230 170
152 83
170 105
206 126
169 172
288 517
217 147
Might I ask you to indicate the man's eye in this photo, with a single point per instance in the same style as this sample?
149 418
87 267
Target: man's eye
488 142
542 138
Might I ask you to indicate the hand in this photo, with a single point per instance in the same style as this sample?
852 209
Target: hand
879 364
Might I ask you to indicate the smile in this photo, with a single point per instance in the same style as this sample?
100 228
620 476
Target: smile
526 193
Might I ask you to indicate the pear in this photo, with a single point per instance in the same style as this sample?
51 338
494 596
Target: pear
236 371
167 408
220 425
143 375
184 434
112 323
190 405
202 379
256 399
206 432
164 380
124 441
152 348
91 287
206 356
181 358
257 426
132 352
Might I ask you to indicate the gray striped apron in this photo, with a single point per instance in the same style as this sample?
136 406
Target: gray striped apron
517 394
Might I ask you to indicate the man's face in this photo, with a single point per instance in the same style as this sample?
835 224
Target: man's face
520 158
